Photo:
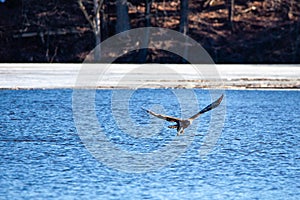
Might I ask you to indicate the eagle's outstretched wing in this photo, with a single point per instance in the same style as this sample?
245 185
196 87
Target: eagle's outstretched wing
165 117
208 108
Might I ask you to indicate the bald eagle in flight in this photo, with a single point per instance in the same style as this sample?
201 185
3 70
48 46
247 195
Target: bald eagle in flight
182 124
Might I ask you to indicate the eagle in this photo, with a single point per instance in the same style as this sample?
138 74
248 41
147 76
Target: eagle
182 124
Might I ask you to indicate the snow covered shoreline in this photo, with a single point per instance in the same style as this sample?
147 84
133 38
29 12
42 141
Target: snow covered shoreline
49 76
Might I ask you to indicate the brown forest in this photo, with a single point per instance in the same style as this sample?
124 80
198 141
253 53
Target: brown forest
231 31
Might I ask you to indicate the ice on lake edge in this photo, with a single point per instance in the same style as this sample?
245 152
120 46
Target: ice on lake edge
48 76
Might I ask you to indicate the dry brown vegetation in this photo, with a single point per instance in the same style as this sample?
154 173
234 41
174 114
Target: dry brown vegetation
261 31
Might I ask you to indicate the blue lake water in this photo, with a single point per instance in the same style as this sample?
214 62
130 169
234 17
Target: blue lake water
257 155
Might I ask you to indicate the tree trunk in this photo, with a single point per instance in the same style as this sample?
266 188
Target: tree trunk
184 26
148 4
97 28
104 20
184 10
230 5
123 23
142 56
94 22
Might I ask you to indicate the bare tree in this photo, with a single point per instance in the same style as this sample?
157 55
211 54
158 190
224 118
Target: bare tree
230 5
184 10
94 21
184 24
148 4
104 20
123 23
142 56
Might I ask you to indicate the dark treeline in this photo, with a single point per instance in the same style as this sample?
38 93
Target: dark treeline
232 31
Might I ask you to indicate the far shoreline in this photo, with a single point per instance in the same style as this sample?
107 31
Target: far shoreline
166 88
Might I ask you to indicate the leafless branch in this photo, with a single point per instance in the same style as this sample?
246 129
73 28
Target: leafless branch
54 55
86 15
43 33
100 2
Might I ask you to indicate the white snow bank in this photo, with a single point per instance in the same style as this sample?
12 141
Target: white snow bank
13 76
